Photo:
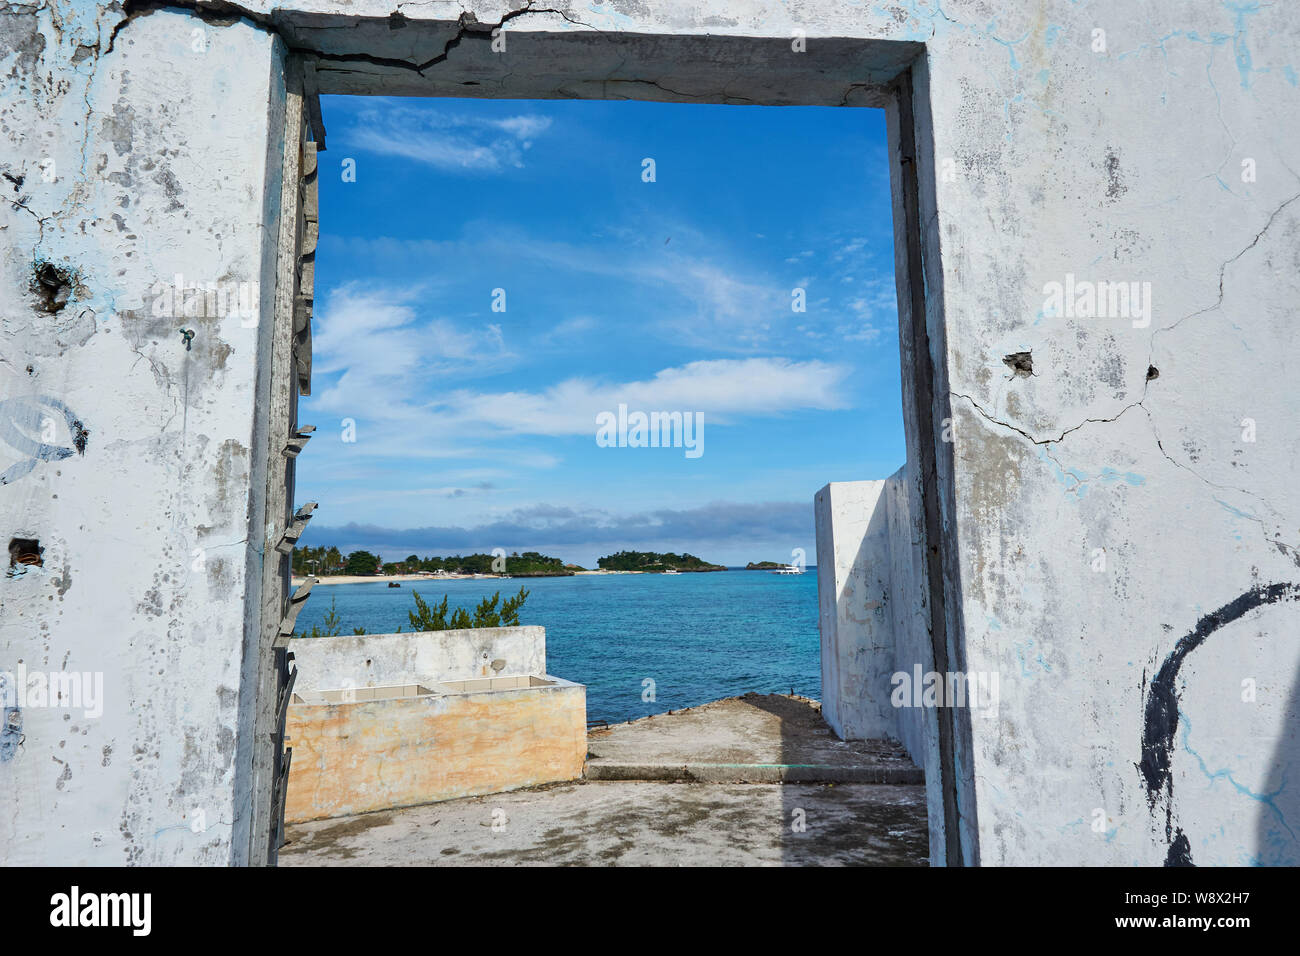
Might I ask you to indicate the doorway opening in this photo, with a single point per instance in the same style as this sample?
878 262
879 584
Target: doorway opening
545 406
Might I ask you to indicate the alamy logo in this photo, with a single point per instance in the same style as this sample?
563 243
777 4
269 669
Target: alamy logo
1085 299
653 430
213 300
56 689
103 909
977 690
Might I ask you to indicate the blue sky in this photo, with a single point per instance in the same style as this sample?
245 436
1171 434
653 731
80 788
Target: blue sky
476 428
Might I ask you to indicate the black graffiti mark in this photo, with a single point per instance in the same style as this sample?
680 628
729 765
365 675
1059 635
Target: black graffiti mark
20 417
1180 850
1161 718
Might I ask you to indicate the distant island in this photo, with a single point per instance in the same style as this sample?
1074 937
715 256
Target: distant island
764 565
651 561
326 561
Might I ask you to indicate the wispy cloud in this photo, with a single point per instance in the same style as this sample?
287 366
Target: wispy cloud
385 348
379 364
448 142
724 390
705 294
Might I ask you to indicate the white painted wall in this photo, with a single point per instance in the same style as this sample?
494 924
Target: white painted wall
854 614
871 616
151 575
373 660
908 612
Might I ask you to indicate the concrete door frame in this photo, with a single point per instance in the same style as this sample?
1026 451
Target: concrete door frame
372 56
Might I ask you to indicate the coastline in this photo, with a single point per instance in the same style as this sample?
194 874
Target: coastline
297 581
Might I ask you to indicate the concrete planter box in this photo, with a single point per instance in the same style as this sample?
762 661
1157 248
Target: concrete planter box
433 736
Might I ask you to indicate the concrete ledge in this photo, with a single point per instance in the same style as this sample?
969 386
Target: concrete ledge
753 773
757 738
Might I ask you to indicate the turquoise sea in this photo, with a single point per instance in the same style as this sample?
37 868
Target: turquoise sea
698 636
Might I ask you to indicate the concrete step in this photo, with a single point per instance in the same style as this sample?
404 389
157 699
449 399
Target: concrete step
757 738
751 773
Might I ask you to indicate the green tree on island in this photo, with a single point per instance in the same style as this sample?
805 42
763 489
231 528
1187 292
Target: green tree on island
362 562
653 561
529 564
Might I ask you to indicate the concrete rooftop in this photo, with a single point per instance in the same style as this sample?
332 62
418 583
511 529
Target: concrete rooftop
633 823
760 781
756 738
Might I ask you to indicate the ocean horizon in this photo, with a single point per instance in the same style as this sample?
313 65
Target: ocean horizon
699 636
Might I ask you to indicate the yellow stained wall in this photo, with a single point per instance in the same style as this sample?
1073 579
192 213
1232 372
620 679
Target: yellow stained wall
372 755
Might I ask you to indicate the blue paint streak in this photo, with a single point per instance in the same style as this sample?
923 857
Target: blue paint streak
1235 511
1240 52
1265 798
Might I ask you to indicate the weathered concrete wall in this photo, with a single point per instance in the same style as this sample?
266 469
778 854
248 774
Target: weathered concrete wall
909 616
431 740
130 457
855 616
1149 702
370 660
375 755
872 616
1055 143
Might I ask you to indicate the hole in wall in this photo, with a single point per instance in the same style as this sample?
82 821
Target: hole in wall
1020 363
1152 372
25 551
52 286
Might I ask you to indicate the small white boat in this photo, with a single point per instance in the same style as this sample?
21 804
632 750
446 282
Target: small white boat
788 569
672 571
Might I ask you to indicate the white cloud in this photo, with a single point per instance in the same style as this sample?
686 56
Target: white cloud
377 363
451 143
851 249
723 389
523 127
705 301
385 352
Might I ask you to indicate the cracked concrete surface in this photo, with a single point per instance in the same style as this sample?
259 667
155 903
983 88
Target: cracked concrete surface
153 527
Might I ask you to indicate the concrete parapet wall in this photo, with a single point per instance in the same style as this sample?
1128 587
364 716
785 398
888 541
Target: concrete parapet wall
857 630
369 660
871 614
908 613
355 757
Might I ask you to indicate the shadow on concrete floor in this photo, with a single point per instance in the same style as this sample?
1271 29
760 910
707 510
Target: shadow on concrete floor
632 823
841 803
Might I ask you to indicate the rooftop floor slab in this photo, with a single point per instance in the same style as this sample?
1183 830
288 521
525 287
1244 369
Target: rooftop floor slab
756 738
633 823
